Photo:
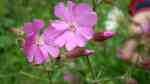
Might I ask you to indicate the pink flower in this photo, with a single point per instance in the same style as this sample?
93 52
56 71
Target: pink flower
35 46
122 55
146 27
76 24
68 77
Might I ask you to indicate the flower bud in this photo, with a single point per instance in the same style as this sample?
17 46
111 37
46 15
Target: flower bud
101 36
78 51
68 77
88 52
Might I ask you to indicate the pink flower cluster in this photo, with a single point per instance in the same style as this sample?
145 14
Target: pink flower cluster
72 30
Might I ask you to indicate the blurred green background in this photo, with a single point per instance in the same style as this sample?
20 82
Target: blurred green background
14 68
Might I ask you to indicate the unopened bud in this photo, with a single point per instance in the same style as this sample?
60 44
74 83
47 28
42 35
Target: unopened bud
88 52
101 36
78 51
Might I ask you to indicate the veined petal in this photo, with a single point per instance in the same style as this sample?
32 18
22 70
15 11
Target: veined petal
39 57
71 41
62 12
70 6
27 43
61 40
87 20
35 56
82 9
50 35
86 32
44 51
60 9
59 25
80 40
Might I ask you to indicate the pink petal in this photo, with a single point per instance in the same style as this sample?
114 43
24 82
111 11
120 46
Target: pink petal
61 40
87 33
65 13
54 51
71 41
59 25
82 9
50 35
27 44
44 51
60 9
38 24
71 6
49 49
38 58
32 27
35 56
88 19
80 41
27 28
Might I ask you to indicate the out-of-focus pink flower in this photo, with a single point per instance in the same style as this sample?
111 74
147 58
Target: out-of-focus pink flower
68 77
71 78
35 46
122 55
76 22
101 36
71 0
146 27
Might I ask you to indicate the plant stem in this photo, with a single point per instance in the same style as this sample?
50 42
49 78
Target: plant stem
94 4
90 67
49 77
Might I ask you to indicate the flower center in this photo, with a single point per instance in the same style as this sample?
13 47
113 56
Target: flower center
72 27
